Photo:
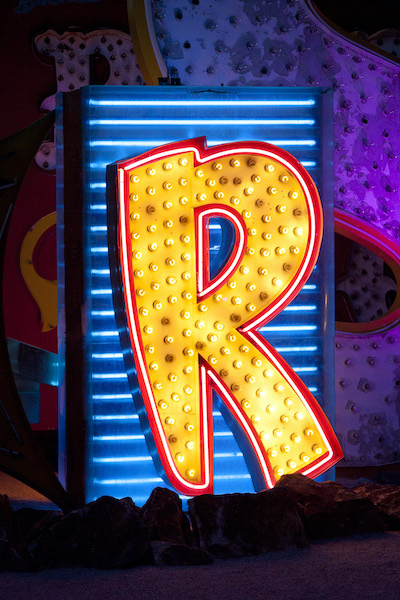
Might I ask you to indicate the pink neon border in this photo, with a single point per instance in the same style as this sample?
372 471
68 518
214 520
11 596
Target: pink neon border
201 155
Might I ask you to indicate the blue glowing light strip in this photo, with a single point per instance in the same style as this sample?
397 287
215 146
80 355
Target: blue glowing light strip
107 355
99 228
185 103
153 143
134 481
290 349
112 333
201 122
300 308
230 477
114 418
288 328
109 376
126 396
117 438
122 459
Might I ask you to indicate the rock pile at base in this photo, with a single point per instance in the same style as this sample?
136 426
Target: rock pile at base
331 510
386 497
115 534
247 524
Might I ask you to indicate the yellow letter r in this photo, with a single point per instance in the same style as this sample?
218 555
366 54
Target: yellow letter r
192 330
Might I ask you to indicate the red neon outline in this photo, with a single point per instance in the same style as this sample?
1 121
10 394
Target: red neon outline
205 286
373 238
249 329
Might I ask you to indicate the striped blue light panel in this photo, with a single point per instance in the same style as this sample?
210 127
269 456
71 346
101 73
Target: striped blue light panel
122 122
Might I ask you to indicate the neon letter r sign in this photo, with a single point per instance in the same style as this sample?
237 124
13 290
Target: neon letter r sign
190 330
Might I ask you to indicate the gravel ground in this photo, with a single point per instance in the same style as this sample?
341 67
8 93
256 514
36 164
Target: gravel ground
355 568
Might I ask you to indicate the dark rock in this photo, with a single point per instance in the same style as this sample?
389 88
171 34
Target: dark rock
173 555
331 510
387 477
306 490
14 555
11 559
386 498
247 524
163 516
342 518
33 522
105 534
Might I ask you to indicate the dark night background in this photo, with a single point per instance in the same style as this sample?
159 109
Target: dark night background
360 15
